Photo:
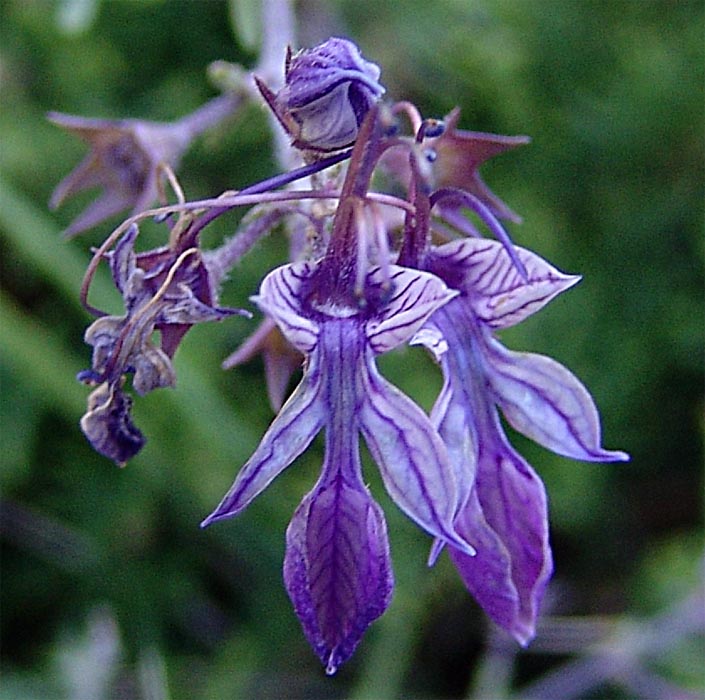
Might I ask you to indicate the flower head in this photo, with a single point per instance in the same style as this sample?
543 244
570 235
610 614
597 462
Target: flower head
504 510
337 568
327 92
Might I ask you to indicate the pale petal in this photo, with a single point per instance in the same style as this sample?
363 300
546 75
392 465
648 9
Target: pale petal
280 298
85 175
288 436
452 416
415 296
337 568
432 339
107 205
498 294
546 402
411 457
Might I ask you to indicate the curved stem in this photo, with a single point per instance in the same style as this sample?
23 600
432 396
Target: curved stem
488 218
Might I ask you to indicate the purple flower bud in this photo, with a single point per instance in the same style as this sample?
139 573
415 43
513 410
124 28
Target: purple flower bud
328 90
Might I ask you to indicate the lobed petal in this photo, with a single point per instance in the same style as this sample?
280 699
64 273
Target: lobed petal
496 291
337 568
291 432
411 457
281 297
507 516
546 402
415 296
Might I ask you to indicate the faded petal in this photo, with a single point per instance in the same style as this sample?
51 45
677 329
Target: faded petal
108 426
281 298
123 259
337 568
460 155
415 296
281 359
107 205
411 457
498 294
507 517
152 367
546 402
288 436
188 309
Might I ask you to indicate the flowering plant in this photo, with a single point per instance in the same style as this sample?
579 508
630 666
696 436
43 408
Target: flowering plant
370 269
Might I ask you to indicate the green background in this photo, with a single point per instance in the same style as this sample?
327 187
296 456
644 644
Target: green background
105 571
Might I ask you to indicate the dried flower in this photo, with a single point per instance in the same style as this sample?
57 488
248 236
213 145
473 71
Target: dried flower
126 156
164 290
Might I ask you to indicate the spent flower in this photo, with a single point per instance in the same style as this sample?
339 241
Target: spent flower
166 290
126 157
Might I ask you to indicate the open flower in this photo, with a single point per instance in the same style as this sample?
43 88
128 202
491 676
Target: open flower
504 510
327 92
163 290
337 569
125 158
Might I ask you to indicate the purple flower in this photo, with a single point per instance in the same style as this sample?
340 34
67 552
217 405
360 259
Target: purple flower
504 510
126 156
327 92
164 290
337 568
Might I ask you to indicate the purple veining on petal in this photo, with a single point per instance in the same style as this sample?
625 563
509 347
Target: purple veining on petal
504 511
546 402
411 457
337 567
510 579
291 432
500 296
415 297
280 297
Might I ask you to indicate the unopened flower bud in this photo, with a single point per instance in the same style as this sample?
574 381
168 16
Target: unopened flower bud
328 90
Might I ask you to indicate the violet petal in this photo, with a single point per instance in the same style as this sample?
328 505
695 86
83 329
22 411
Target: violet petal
411 457
513 504
546 402
280 297
337 568
498 294
291 432
415 296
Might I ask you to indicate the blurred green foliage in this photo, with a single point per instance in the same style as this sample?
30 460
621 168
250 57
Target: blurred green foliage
611 187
